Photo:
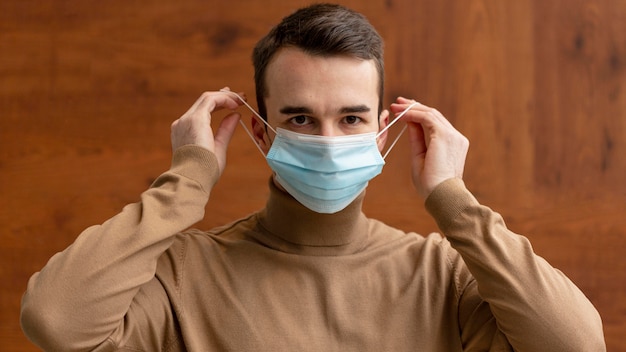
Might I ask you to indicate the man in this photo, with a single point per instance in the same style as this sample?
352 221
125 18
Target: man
309 272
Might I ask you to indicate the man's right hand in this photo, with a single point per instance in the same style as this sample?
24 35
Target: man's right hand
194 127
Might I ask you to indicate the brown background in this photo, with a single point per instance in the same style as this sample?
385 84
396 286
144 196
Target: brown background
88 90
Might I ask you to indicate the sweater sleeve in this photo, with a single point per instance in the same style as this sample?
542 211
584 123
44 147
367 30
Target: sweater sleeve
536 306
83 294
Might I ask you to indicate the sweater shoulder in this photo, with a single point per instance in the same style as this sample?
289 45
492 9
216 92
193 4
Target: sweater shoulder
432 252
383 233
195 240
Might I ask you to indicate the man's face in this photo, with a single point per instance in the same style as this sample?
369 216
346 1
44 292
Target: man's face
328 96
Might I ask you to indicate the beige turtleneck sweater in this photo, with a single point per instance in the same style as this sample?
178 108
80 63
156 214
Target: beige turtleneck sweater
288 279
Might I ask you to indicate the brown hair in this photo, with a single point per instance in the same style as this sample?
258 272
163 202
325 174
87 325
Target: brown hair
324 30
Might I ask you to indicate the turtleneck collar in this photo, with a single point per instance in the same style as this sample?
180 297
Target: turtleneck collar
290 227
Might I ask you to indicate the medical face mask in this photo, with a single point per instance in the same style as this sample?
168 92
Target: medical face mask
325 174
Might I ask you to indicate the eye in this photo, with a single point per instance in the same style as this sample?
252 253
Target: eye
352 120
300 120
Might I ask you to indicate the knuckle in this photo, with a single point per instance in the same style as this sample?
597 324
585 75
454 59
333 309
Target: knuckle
465 142
207 94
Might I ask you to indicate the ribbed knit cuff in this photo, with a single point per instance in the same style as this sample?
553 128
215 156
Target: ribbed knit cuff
447 201
196 163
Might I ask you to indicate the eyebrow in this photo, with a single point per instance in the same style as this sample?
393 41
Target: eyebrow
292 110
354 109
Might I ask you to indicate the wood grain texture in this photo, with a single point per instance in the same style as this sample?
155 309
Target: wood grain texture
88 90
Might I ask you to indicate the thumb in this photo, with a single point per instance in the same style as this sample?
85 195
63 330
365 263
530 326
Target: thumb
417 140
223 136
418 154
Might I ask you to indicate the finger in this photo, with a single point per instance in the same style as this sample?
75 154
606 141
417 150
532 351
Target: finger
225 131
420 116
402 104
223 136
411 110
417 139
241 98
403 100
436 113
216 101
206 104
238 95
423 114
418 153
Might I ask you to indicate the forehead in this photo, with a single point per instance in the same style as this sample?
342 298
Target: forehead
296 77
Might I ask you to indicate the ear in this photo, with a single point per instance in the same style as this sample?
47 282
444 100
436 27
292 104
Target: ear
382 123
260 135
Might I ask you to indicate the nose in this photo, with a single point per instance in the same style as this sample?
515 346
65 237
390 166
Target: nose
328 129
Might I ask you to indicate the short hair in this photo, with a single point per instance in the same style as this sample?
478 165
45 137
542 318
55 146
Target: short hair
323 30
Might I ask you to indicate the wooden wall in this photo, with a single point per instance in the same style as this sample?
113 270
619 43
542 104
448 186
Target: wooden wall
88 90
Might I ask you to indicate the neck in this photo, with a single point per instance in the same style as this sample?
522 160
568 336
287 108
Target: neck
291 227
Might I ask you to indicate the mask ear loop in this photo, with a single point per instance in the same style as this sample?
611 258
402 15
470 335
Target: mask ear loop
399 134
255 113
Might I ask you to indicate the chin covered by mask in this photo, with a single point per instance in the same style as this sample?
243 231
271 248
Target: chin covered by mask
325 174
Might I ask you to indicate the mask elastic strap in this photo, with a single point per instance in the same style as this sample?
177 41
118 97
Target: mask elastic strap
399 134
255 113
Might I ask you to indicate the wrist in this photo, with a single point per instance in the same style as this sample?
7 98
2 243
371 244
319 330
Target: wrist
196 163
447 201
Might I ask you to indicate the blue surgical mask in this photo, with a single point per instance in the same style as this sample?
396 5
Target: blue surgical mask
325 174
